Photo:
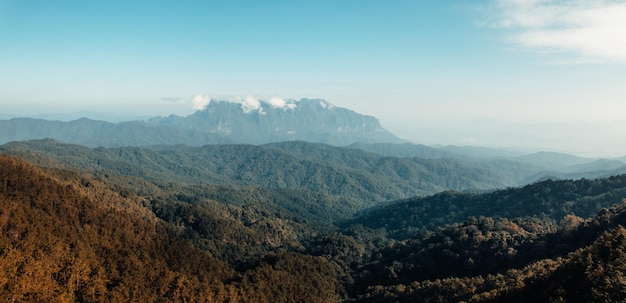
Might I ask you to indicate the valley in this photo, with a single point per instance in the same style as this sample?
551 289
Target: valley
234 223
230 219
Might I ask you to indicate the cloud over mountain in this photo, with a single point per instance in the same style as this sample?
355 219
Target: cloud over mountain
200 102
248 104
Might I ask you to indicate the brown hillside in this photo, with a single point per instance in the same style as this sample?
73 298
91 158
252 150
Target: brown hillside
69 238
73 240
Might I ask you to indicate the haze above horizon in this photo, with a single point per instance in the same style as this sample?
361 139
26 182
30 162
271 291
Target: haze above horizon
532 74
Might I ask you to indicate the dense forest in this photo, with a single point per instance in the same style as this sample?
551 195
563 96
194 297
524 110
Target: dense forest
548 200
66 238
319 168
129 224
366 178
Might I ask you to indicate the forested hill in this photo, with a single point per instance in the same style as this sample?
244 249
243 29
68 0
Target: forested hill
548 200
324 169
70 237
408 150
501 260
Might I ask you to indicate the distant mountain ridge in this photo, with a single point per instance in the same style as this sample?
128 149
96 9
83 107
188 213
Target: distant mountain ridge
312 120
221 122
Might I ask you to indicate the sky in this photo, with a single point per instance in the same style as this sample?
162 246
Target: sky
517 74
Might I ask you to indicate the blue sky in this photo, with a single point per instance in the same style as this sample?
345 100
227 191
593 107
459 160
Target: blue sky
506 73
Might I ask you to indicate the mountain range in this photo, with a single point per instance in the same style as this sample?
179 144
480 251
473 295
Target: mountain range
408 169
75 232
224 205
221 122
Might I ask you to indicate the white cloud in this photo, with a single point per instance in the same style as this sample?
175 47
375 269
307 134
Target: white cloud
593 29
277 102
326 105
200 102
250 104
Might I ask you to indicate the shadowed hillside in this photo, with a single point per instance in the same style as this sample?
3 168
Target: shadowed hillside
547 200
486 260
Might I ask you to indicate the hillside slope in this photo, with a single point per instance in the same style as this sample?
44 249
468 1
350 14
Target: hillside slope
68 238
352 174
487 260
548 200
61 243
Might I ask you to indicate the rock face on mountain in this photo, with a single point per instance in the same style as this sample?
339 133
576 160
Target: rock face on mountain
306 120
220 122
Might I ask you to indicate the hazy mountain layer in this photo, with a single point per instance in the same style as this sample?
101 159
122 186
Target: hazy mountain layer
307 120
219 123
546 165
